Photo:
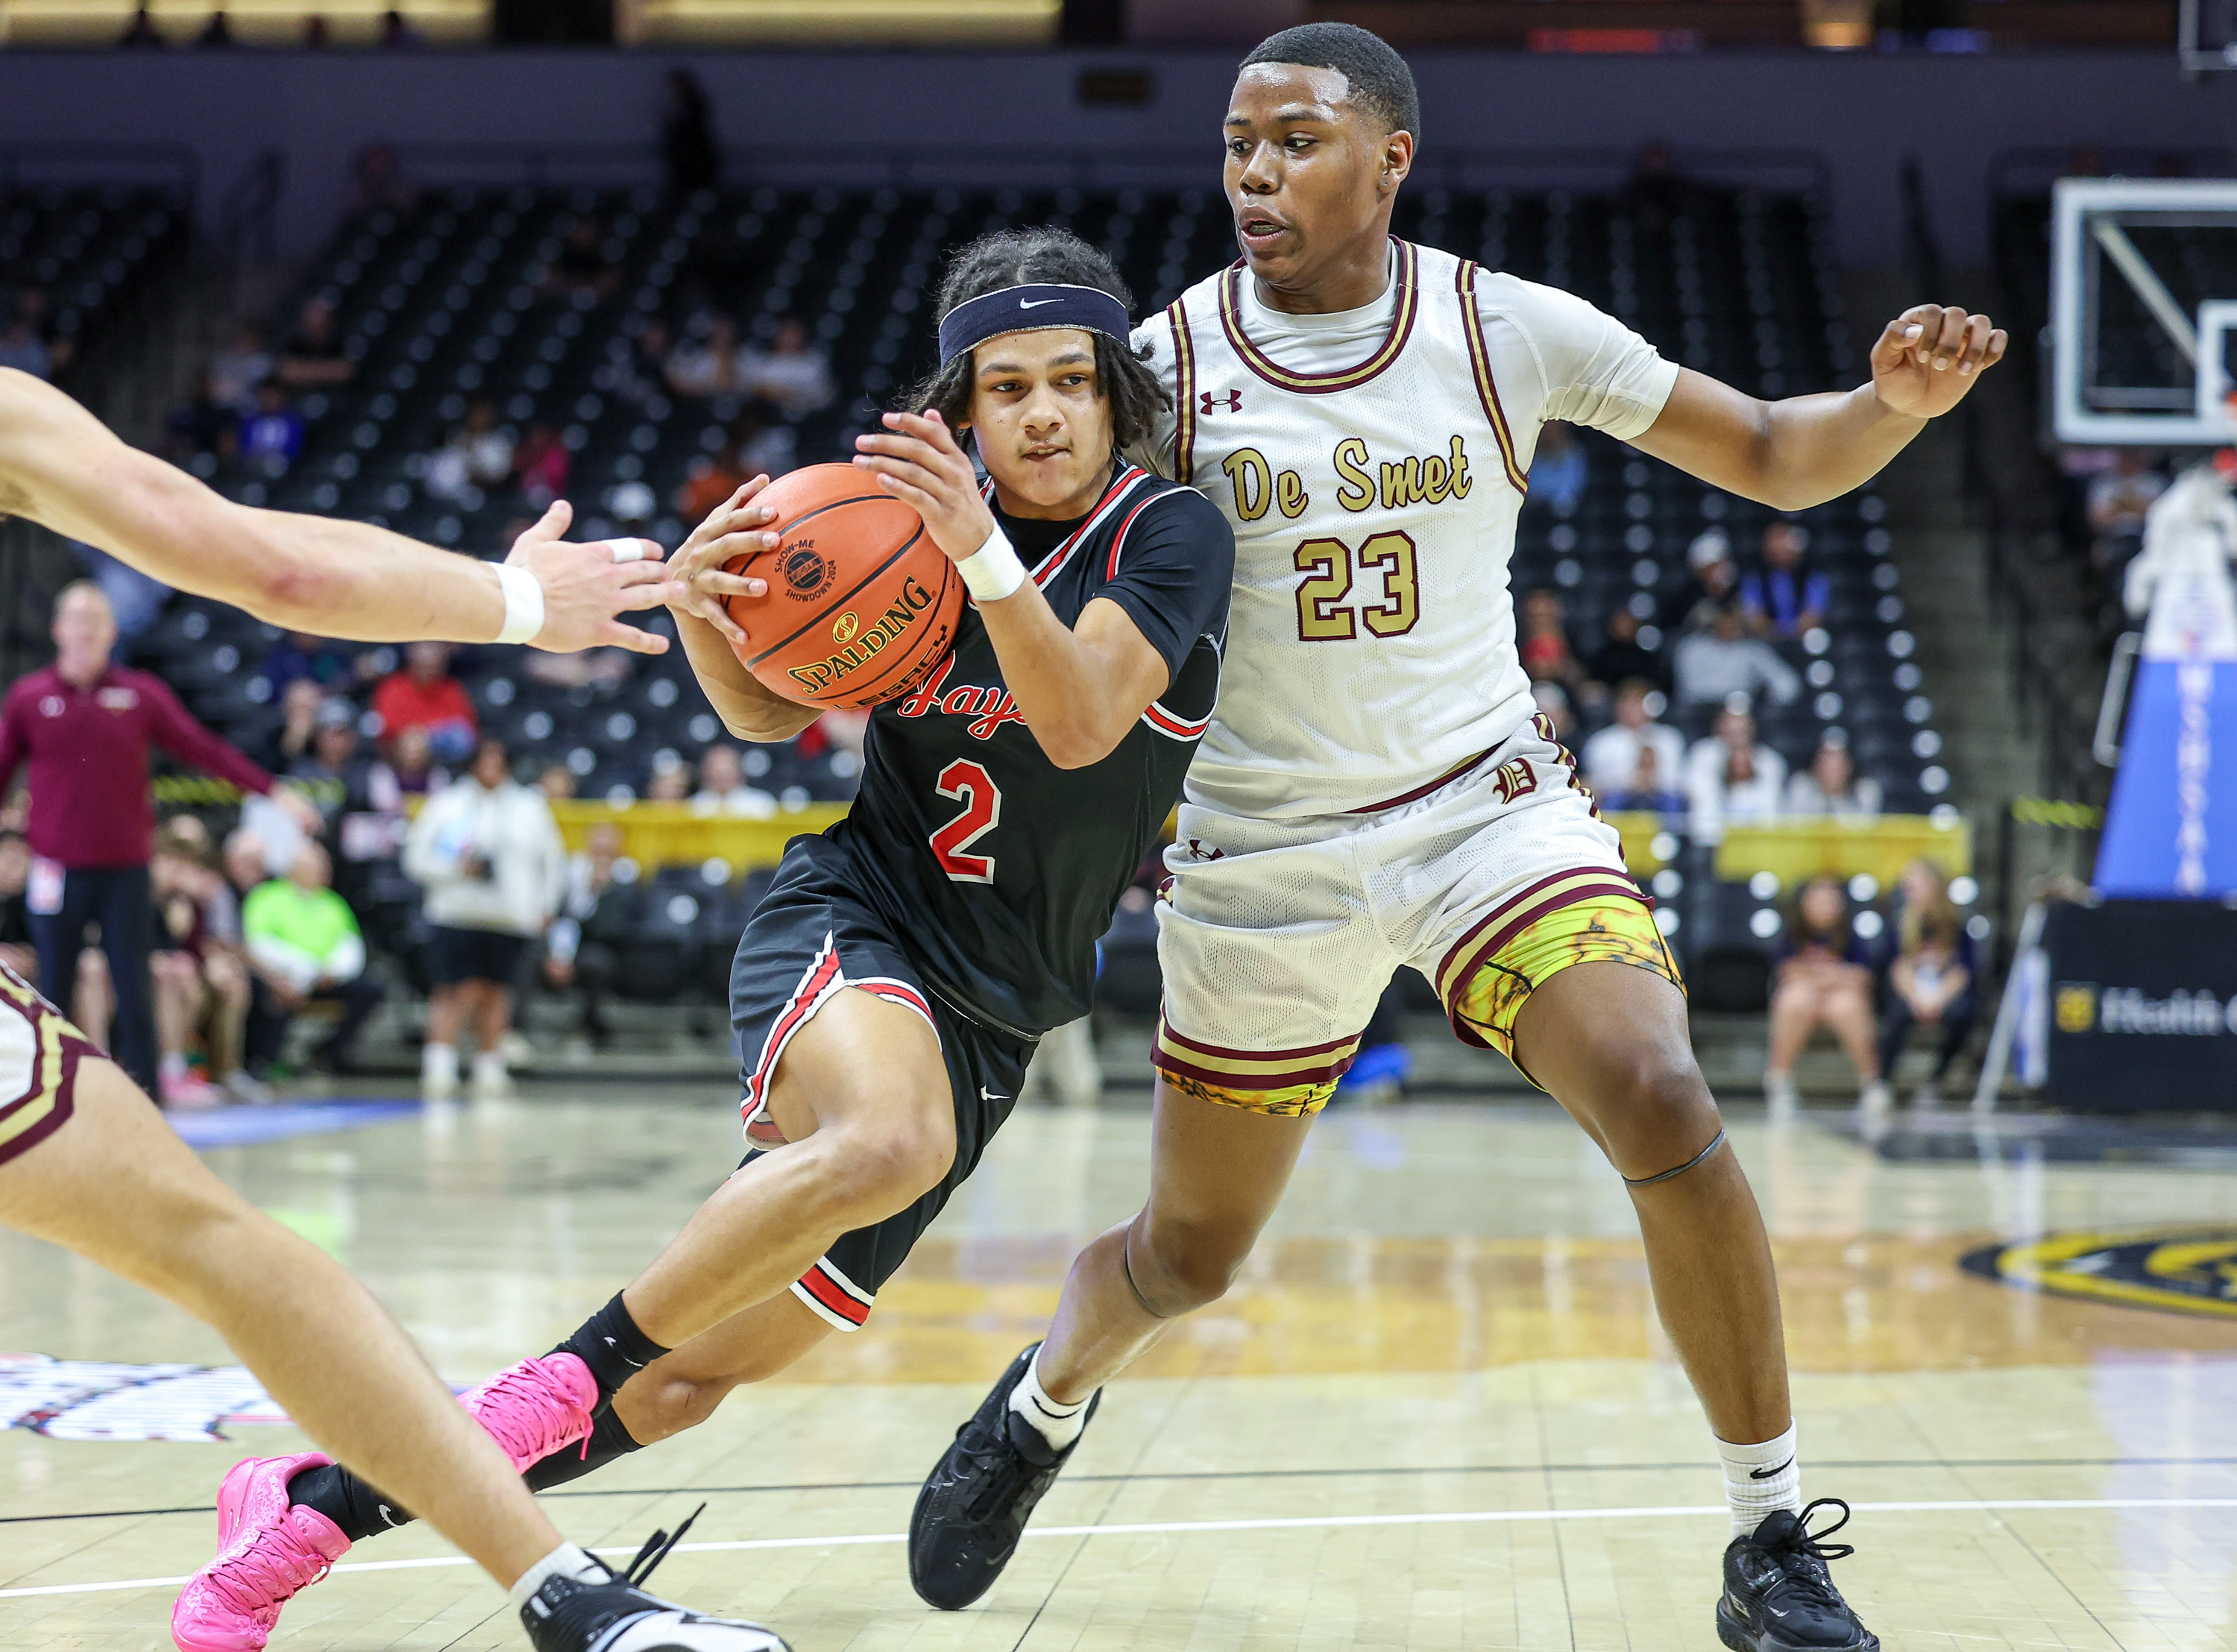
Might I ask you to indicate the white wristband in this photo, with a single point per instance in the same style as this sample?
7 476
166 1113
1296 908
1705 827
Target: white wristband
524 604
993 571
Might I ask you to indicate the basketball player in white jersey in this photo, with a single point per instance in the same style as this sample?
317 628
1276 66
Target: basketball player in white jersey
1374 790
86 1161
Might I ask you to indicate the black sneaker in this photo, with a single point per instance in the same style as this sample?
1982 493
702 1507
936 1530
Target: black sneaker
1779 1597
973 1508
567 1615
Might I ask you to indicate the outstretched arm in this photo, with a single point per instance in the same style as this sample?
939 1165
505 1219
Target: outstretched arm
1079 688
1804 451
61 466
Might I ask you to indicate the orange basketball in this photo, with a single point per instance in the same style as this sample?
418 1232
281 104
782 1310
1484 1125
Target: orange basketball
862 606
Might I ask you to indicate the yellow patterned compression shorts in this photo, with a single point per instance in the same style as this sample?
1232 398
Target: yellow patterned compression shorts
1581 917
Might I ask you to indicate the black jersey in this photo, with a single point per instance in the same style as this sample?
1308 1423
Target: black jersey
999 871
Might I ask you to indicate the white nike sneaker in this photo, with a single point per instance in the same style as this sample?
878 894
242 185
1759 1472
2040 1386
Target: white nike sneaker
569 1614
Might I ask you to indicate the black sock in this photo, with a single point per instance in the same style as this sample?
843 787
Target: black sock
609 1440
347 1501
612 1347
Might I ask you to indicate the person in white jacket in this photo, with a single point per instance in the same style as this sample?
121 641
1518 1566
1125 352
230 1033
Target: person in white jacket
488 853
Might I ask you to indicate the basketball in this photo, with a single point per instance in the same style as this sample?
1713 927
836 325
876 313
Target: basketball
862 604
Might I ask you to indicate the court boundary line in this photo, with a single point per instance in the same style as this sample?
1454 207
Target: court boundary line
1301 1523
1250 1474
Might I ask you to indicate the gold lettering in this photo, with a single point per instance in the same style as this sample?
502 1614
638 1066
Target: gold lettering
1437 478
1357 490
1401 483
1289 493
1253 479
1459 490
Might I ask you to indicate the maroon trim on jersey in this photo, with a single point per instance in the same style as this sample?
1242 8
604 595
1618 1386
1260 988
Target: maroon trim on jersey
1611 883
1425 788
1184 390
1486 391
1322 383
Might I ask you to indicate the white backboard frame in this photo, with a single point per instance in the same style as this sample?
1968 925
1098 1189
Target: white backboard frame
2087 216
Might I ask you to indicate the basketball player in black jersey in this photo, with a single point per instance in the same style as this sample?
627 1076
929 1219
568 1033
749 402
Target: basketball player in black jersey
889 989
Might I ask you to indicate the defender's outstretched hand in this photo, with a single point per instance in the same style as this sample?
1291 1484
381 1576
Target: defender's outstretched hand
586 586
921 464
1930 355
735 527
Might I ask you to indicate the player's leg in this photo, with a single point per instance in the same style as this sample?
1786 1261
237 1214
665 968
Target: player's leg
1216 1172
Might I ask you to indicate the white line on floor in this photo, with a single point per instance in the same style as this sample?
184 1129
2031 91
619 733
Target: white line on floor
1153 1528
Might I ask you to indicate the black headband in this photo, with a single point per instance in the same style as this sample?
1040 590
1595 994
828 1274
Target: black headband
1032 309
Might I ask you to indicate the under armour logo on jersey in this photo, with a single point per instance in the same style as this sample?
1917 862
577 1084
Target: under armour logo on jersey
1200 849
1232 400
1513 778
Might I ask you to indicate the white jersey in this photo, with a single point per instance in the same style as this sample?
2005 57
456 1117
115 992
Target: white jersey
1373 463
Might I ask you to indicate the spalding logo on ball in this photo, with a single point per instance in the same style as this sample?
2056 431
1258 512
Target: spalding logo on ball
863 605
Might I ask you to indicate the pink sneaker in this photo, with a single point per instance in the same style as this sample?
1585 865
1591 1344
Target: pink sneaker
537 1408
268 1552
185 1089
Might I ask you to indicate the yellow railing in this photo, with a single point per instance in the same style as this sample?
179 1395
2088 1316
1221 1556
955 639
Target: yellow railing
669 834
1794 851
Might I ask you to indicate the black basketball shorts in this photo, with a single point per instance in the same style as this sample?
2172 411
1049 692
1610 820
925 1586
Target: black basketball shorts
814 935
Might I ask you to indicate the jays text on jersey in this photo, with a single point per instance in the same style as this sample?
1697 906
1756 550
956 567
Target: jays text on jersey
1373 463
999 871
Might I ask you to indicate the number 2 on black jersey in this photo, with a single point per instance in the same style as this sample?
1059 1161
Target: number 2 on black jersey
971 786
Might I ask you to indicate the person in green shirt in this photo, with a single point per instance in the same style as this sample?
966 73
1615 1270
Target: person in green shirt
304 945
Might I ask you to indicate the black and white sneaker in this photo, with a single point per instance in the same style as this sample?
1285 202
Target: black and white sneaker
1778 1595
973 1508
567 1614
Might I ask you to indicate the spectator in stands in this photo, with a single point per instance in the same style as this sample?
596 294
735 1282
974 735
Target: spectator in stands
204 423
397 33
671 781
217 33
582 270
332 774
1625 653
425 695
541 464
636 368
1824 978
24 350
377 180
582 948
767 445
1782 600
36 310
298 656
299 725
488 852
1831 785
84 726
557 782
713 479
1729 779
17 949
240 368
1542 639
479 454
1712 580
1653 787
1612 756
2118 499
604 670
315 358
1930 980
722 788
272 437
792 373
1559 468
410 771
1553 702
1713 665
203 990
135 600
307 948
708 367
688 149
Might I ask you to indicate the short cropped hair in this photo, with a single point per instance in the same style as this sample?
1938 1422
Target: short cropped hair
1382 86
1023 257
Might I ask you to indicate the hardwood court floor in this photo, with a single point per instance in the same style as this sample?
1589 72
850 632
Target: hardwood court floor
1437 1413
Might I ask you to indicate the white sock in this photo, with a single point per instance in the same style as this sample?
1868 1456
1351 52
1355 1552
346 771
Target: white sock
1059 1424
1759 1478
173 1065
568 1560
438 1064
489 1064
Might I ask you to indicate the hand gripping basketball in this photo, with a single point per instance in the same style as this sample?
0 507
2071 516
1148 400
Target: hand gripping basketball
848 601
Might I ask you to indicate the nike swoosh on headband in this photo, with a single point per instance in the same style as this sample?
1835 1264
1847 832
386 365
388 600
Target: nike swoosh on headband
1035 304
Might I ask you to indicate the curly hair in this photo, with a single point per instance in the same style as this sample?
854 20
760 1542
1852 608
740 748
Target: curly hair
1017 257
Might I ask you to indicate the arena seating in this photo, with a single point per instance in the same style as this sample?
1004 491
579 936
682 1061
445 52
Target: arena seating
86 249
445 299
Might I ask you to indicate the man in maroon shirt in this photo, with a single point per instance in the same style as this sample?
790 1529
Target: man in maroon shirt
83 727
